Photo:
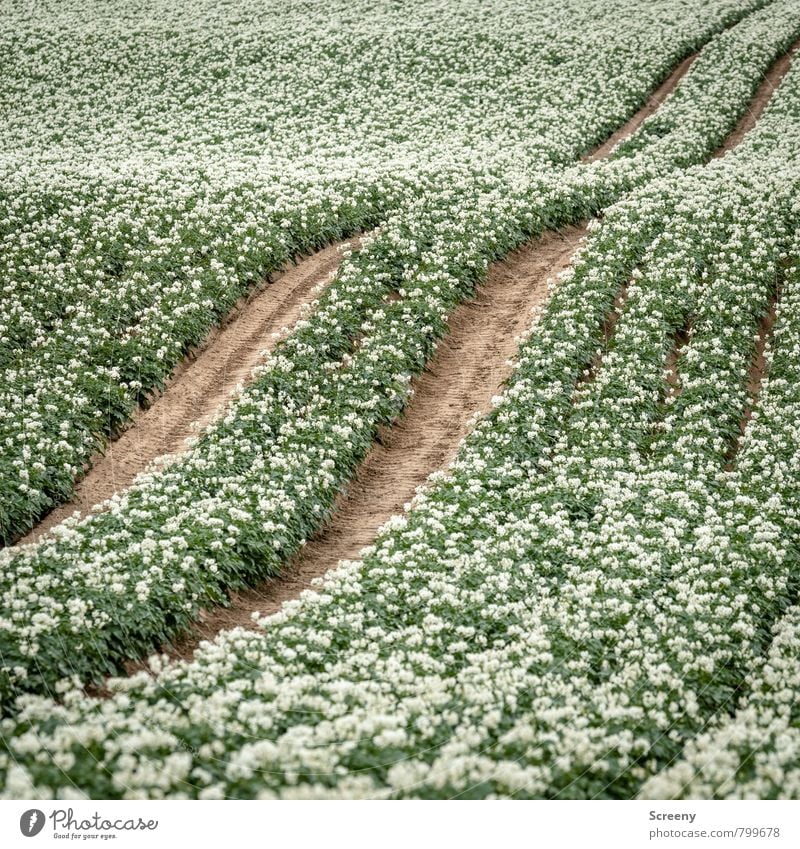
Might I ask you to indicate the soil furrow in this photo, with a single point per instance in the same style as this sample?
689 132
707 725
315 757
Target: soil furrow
761 98
680 340
607 334
201 386
653 102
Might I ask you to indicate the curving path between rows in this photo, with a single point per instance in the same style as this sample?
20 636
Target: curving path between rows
653 102
469 367
203 384
759 101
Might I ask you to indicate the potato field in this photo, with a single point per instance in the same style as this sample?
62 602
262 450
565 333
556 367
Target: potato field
400 399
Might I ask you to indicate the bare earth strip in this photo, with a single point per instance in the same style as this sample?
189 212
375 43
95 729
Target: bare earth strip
755 378
201 386
653 102
760 100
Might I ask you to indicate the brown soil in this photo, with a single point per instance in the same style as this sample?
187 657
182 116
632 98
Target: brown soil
201 386
468 368
758 370
680 339
759 102
755 377
653 102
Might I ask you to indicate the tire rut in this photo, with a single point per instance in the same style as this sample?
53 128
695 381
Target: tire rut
756 374
761 98
201 386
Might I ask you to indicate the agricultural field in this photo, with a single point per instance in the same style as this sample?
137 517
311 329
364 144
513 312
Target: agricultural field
471 332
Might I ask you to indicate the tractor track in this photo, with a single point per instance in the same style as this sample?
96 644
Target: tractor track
201 386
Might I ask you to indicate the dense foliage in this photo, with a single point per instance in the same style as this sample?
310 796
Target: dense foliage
585 604
158 160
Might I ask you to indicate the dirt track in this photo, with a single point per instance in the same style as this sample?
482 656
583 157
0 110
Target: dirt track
755 377
468 368
653 102
201 386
